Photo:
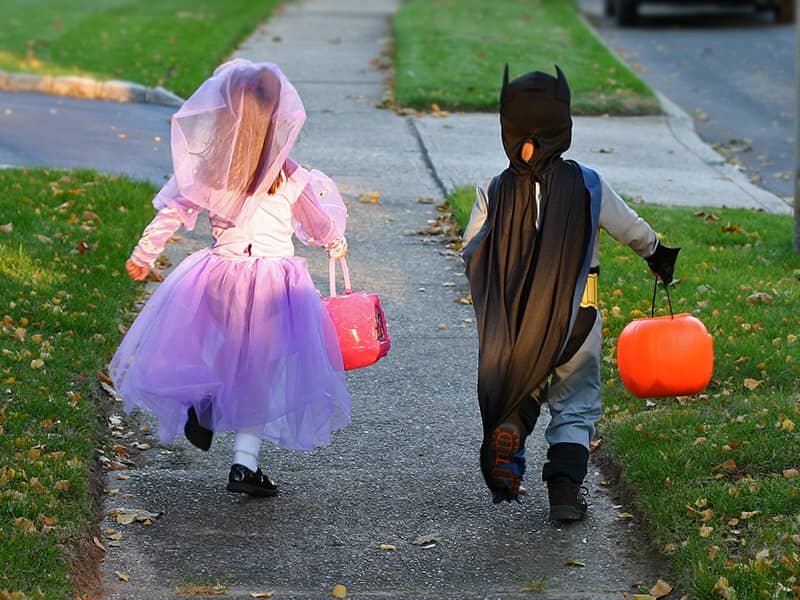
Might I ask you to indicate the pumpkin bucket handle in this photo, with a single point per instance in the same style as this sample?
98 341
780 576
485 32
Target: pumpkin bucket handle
653 304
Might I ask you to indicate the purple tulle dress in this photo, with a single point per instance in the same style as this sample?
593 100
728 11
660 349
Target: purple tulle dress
238 330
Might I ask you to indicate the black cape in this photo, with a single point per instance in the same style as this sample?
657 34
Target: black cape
524 279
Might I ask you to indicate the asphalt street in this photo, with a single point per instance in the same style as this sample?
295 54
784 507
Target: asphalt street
731 68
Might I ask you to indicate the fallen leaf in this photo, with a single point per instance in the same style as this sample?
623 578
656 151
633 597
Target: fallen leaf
759 297
642 597
126 516
98 543
43 238
625 515
660 589
705 531
122 576
424 540
571 562
790 473
369 197
25 525
388 547
37 485
752 384
724 589
7 228
424 200
62 485
261 594
339 591
747 514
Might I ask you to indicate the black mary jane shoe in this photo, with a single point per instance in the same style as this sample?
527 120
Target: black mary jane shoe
242 480
198 435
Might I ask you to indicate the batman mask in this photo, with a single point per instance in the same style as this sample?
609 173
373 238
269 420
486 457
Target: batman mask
535 107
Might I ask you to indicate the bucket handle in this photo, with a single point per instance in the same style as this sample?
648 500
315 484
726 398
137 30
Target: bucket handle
653 304
332 276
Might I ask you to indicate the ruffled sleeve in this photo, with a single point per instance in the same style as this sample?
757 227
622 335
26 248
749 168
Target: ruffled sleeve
319 215
174 211
170 197
155 237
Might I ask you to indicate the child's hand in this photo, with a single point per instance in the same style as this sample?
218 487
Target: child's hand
136 272
662 262
337 248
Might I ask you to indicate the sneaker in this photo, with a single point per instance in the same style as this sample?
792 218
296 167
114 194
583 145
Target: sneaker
244 481
198 435
508 465
567 502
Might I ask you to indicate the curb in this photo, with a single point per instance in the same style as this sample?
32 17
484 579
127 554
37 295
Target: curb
682 126
87 88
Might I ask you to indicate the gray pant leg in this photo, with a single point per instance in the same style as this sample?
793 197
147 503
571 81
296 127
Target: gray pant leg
574 395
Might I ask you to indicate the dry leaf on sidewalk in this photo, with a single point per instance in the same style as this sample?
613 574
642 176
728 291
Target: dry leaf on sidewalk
572 562
660 589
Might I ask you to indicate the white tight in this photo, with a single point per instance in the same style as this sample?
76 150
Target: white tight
246 446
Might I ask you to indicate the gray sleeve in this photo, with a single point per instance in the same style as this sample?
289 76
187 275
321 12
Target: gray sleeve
477 217
624 225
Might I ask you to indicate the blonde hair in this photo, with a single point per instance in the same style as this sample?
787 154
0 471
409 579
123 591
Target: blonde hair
259 96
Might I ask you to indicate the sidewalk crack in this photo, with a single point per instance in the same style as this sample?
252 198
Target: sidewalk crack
426 157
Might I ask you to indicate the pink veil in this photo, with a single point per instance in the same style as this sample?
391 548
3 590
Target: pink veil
230 140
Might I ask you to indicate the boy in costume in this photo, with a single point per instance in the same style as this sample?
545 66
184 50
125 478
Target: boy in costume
531 256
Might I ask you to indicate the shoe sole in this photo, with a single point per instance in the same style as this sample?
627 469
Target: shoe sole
250 490
506 442
566 513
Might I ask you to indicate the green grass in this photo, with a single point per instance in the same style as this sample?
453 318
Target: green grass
60 318
452 53
710 459
172 43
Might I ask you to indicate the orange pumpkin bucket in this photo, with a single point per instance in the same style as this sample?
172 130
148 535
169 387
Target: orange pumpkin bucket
665 356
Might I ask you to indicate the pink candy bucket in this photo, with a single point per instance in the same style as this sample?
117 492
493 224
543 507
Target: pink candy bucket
359 321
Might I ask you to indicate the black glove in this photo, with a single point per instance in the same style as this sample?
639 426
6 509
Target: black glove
662 262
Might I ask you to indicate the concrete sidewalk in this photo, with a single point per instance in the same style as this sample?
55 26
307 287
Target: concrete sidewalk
407 466
658 159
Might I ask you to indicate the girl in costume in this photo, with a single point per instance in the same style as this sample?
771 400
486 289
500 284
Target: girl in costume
531 256
236 338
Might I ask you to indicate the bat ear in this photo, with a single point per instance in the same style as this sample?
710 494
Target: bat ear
562 87
505 83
